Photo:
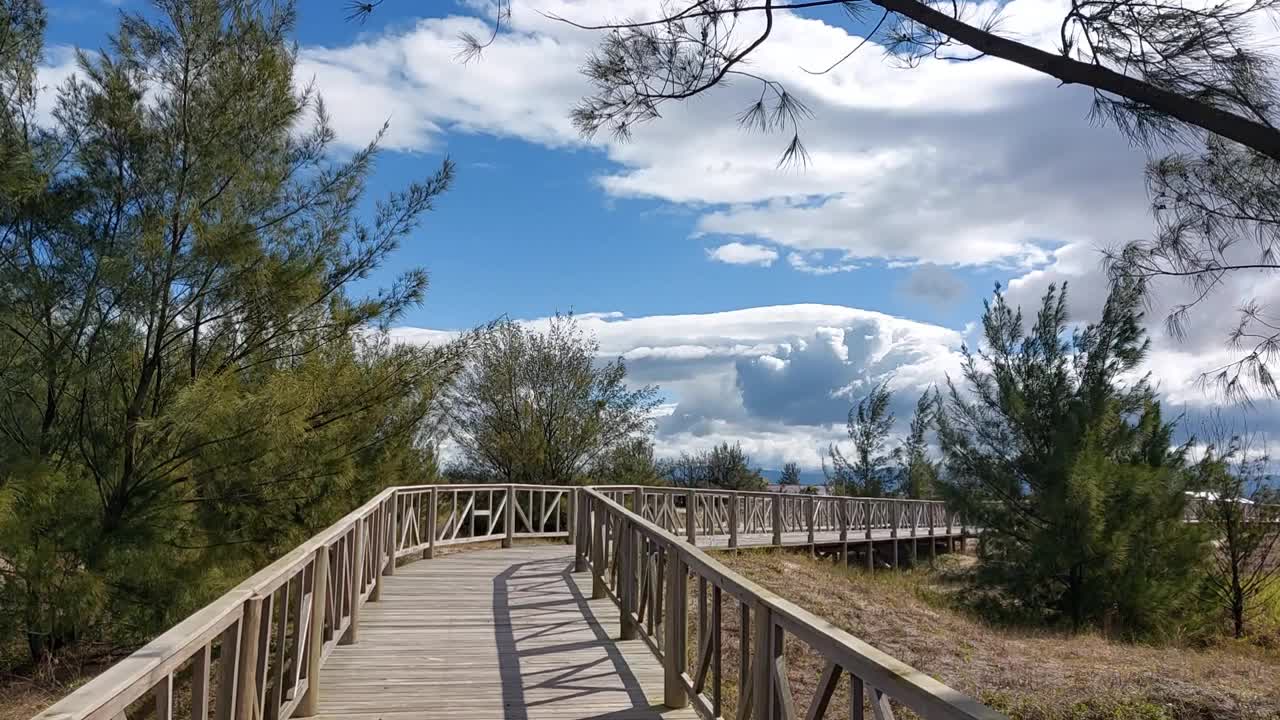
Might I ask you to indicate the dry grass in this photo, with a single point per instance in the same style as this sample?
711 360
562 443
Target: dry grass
1032 675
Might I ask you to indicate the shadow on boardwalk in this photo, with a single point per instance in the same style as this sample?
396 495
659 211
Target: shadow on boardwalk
569 674
492 634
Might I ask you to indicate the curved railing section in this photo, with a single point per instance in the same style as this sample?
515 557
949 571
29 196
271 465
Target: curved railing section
649 572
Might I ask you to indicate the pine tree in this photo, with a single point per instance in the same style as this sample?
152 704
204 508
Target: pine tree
918 473
190 384
790 474
869 424
536 407
1068 469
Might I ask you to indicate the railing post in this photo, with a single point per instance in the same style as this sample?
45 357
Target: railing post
434 512
867 509
582 525
845 509
247 666
915 521
810 512
393 542
762 667
315 644
229 649
776 518
894 515
379 537
733 519
357 576
509 517
598 519
691 516
626 581
571 513
675 626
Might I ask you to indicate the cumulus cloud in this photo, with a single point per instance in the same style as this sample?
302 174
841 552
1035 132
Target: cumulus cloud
949 163
779 379
736 253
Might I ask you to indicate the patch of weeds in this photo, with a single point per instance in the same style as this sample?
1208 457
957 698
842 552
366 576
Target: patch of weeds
1022 707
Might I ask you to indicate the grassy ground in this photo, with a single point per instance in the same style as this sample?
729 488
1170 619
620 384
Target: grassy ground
1030 675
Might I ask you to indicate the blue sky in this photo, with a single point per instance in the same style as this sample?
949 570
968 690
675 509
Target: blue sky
762 301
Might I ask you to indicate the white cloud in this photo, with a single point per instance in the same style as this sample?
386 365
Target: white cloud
1177 364
778 379
736 253
952 164
813 264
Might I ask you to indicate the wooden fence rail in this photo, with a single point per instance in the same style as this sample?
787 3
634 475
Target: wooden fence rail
255 653
648 571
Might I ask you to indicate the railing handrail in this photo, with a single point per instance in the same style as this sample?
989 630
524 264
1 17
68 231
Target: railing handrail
917 690
673 489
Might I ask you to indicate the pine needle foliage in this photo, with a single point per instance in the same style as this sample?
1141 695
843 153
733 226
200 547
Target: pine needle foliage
1064 458
189 384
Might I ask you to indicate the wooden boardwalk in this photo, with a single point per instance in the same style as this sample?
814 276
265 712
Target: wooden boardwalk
492 634
356 624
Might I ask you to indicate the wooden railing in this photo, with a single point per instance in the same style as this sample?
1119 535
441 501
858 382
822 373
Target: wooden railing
1246 511
255 653
647 571
702 513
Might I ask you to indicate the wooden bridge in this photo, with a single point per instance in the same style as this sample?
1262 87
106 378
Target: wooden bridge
620 611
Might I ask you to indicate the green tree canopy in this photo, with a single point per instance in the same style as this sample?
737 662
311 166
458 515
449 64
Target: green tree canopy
1067 464
869 473
790 474
539 407
723 466
189 383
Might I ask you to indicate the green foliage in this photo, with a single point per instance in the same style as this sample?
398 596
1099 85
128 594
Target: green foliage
189 388
536 407
869 425
917 472
1235 502
723 466
1068 469
628 463
790 474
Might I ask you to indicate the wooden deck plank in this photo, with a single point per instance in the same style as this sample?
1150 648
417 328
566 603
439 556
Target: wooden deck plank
492 634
